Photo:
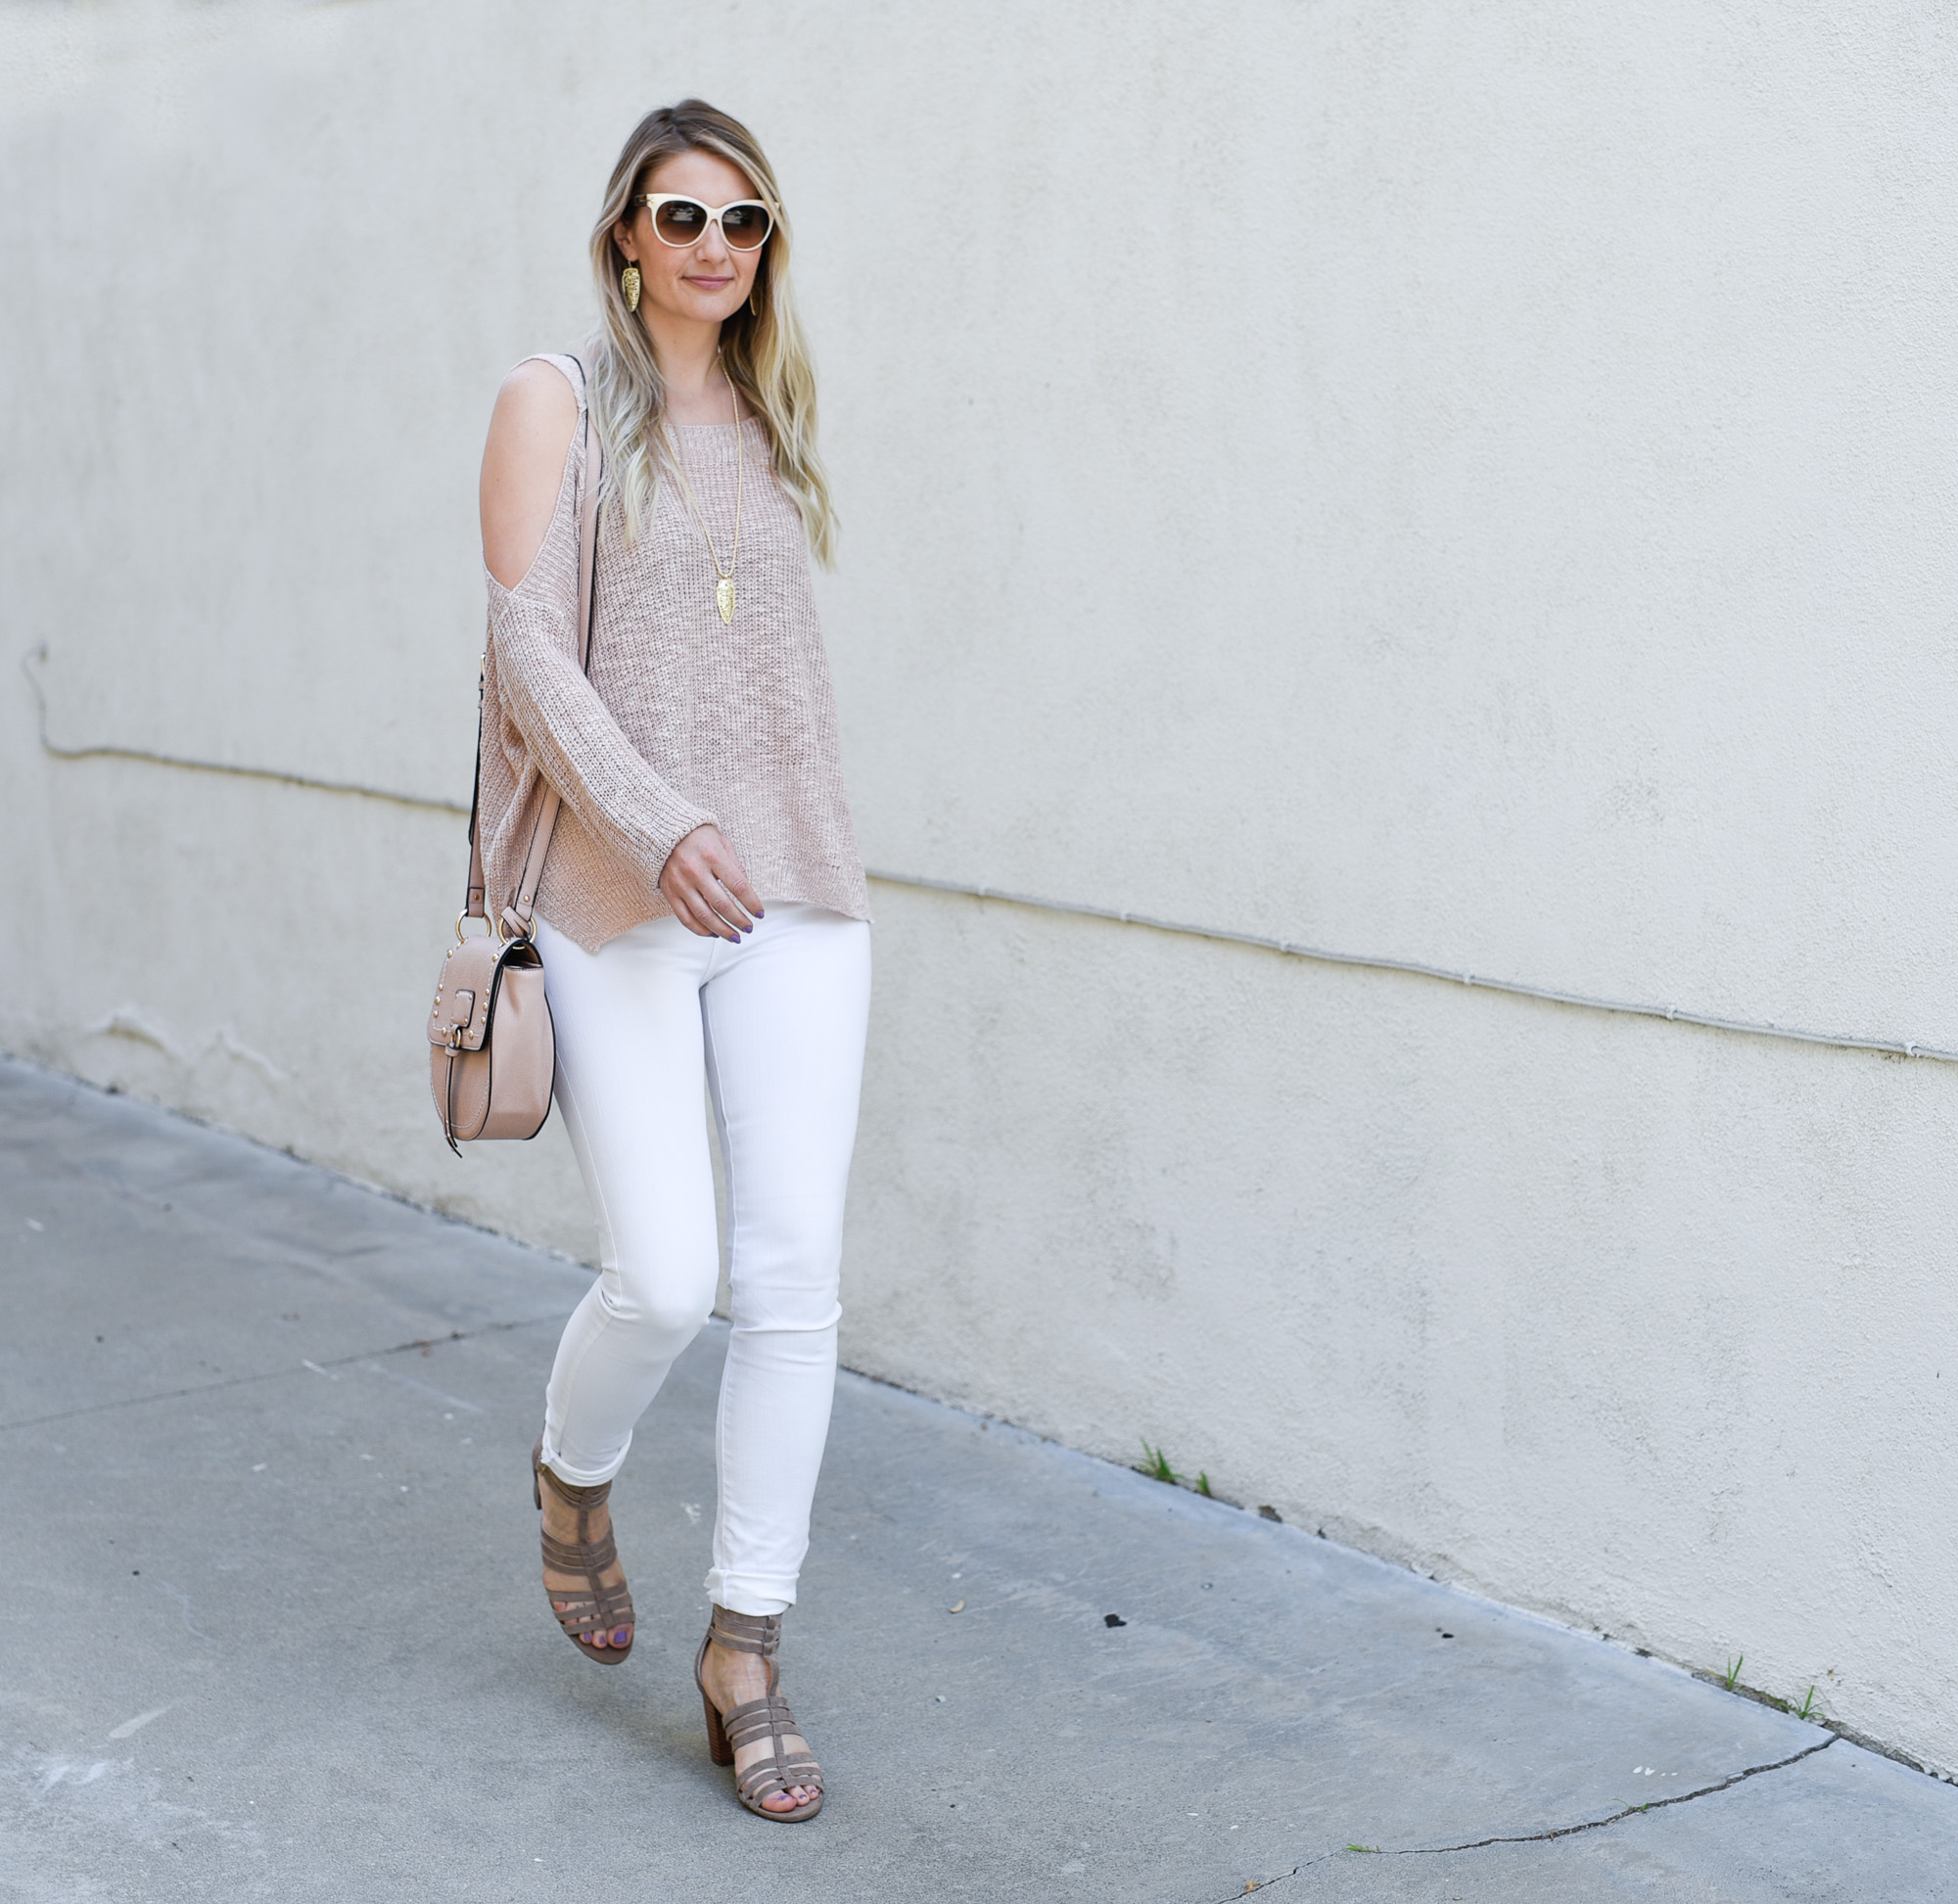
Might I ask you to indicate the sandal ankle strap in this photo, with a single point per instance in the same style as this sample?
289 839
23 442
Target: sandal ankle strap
583 1499
760 1633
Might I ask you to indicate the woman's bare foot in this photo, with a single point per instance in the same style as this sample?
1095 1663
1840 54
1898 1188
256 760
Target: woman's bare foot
561 1524
732 1679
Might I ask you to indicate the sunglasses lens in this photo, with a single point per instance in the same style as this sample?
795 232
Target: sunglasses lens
747 226
680 221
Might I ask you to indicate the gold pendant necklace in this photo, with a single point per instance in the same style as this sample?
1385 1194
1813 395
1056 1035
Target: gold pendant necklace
724 579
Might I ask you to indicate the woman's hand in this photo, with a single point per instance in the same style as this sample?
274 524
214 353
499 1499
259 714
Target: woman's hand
709 893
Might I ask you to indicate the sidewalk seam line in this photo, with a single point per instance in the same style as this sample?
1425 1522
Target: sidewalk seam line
274 1374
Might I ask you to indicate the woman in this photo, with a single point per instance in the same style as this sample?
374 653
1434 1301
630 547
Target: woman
702 908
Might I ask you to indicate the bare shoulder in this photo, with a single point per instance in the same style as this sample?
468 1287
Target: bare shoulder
523 466
535 400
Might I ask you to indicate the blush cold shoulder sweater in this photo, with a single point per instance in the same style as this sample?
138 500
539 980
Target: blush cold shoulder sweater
680 721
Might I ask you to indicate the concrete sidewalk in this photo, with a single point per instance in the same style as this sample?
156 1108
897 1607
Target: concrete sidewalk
273 1625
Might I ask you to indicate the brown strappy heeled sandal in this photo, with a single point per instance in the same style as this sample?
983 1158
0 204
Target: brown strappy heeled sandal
603 1609
766 1718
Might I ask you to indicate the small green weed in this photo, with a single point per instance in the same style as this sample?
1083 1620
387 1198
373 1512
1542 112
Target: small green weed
1203 1485
1373 1848
1733 1674
1808 1708
1157 1466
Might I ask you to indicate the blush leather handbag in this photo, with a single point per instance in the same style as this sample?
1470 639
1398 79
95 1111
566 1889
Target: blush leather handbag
492 1050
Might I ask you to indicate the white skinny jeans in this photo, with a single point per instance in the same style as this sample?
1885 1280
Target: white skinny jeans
778 1024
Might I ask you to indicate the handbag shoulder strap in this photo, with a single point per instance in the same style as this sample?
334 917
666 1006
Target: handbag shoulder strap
518 914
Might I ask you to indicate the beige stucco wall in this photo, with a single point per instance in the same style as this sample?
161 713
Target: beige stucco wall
1467 485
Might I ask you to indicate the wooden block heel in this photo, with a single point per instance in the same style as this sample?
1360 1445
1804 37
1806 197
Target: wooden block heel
717 1747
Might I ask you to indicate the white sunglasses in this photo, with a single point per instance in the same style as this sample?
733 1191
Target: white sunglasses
681 221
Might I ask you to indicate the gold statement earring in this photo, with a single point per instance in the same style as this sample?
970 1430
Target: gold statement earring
754 303
629 283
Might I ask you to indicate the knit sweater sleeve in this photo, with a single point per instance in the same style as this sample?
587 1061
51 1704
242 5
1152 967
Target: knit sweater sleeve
569 732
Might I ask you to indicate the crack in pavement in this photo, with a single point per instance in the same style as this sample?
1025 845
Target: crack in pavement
1265 1884
1630 1811
423 1342
1544 1837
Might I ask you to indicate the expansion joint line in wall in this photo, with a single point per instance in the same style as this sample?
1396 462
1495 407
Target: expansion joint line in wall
1673 1014
96 752
1895 1047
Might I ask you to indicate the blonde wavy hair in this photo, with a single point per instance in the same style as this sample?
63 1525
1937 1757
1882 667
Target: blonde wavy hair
765 355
